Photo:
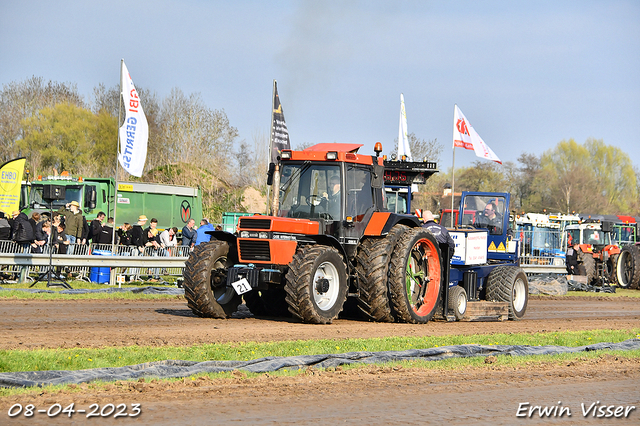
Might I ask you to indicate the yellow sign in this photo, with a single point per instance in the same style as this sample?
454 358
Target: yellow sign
125 187
501 247
492 247
10 185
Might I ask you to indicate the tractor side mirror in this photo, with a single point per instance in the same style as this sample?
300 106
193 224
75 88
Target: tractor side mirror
377 177
90 196
270 172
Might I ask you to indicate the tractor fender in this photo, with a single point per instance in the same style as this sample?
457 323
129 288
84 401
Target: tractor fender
328 240
230 238
382 222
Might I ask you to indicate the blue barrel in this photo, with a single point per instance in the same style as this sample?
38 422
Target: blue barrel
100 274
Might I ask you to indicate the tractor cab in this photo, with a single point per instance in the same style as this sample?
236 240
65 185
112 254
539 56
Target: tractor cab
340 195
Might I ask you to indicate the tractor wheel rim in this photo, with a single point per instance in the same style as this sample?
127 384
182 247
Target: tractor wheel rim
423 269
519 296
326 300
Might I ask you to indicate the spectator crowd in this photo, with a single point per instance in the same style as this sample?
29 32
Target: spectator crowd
66 231
69 228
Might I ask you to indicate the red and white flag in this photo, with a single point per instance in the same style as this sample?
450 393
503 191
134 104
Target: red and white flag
465 136
134 132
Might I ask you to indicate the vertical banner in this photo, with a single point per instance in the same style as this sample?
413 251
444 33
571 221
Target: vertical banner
403 137
134 132
10 185
279 132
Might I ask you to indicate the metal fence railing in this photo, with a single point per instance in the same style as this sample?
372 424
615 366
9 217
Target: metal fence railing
19 262
542 246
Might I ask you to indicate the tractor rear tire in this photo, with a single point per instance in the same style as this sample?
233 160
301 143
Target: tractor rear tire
457 301
205 281
316 284
509 284
373 272
628 267
589 264
415 276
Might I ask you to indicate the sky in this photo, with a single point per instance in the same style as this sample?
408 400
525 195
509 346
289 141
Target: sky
527 75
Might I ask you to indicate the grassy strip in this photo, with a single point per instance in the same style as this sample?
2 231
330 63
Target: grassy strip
77 359
18 294
451 364
126 295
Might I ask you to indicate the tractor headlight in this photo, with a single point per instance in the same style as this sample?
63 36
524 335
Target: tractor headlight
244 234
263 235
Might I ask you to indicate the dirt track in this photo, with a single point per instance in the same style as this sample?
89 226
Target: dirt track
487 395
27 324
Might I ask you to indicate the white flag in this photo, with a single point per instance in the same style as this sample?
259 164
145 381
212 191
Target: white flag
403 138
465 136
134 132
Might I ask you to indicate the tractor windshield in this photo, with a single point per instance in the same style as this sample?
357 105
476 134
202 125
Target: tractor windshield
489 212
310 190
396 200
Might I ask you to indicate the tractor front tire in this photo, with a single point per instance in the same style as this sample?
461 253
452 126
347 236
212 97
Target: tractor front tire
612 269
205 281
509 284
316 284
415 276
373 271
628 267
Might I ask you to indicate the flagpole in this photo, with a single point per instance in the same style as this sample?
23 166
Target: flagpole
273 97
453 183
453 173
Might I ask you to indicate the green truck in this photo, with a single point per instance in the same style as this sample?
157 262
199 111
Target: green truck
172 205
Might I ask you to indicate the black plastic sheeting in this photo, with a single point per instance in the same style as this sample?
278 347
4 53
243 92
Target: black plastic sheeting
557 285
577 286
145 290
180 369
551 284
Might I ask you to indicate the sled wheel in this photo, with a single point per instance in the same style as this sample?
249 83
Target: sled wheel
373 270
509 284
316 284
205 281
415 276
457 301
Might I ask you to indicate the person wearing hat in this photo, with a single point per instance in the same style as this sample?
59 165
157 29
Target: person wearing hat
73 222
137 231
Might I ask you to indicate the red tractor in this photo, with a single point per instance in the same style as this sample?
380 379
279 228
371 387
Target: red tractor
597 252
331 238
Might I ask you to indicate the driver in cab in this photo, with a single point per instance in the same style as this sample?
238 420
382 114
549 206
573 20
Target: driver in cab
490 219
333 198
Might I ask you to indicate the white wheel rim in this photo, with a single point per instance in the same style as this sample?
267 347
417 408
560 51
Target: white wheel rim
519 295
328 271
462 304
